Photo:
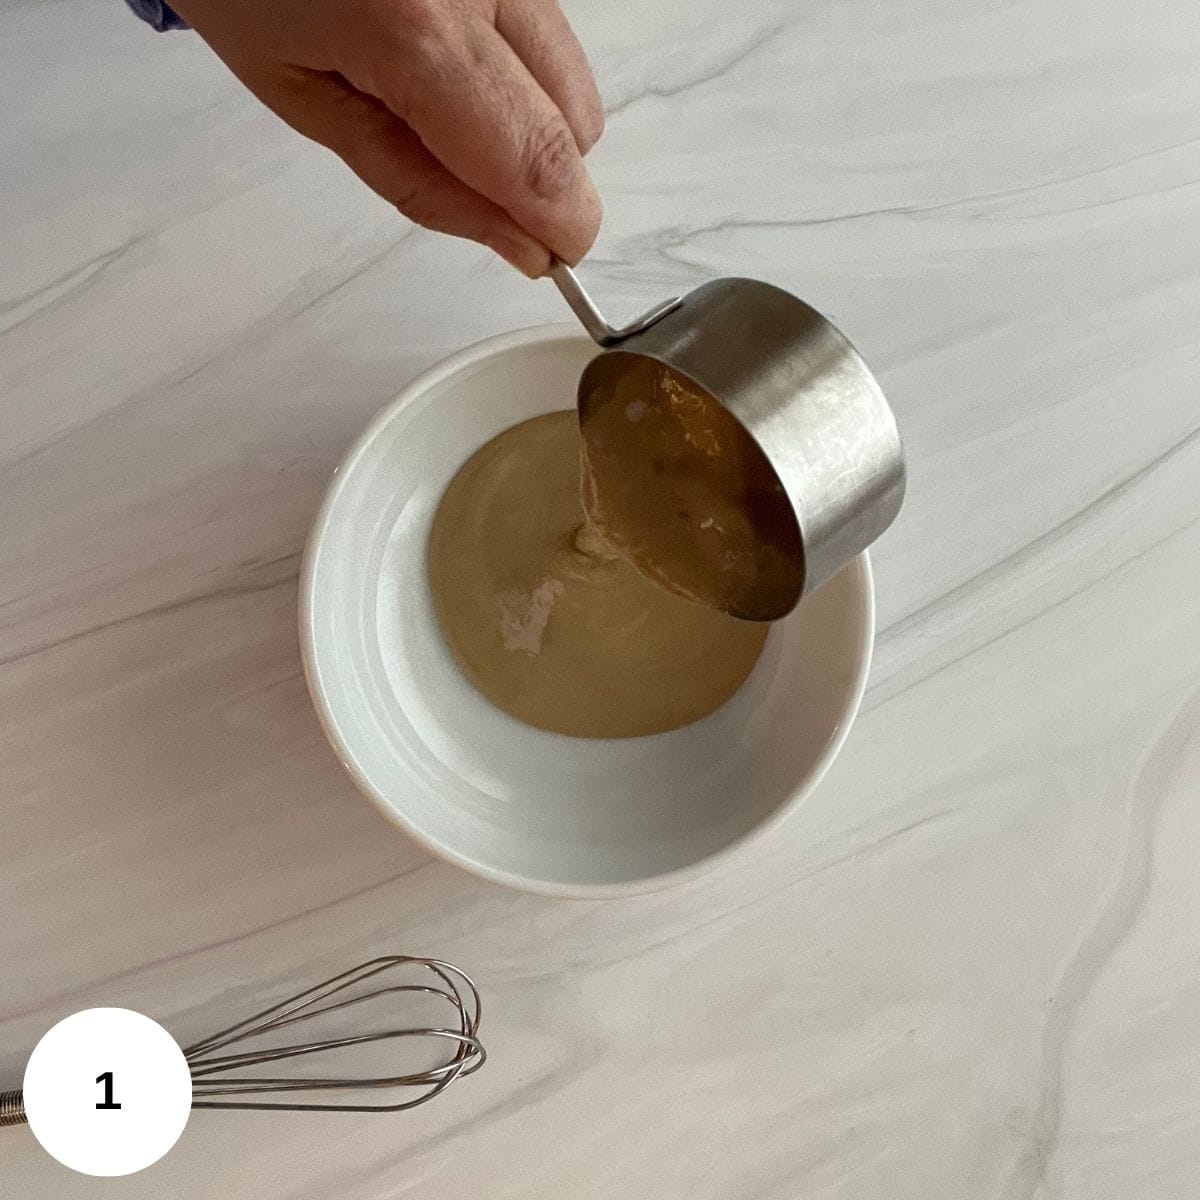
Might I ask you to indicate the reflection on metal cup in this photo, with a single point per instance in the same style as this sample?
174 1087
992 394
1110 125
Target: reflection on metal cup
805 404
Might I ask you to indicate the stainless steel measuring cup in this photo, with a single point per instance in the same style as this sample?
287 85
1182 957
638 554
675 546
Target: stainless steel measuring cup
795 385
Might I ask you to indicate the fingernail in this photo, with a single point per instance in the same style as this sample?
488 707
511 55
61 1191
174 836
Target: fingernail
525 254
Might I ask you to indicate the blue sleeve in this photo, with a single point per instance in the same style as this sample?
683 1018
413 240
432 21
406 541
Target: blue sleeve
156 13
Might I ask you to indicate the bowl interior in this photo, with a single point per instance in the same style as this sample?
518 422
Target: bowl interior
518 805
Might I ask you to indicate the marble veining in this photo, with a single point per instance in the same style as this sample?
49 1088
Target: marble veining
968 967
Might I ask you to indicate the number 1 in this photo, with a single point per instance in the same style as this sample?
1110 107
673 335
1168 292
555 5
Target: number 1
107 1080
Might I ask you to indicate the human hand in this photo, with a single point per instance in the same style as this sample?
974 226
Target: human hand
470 116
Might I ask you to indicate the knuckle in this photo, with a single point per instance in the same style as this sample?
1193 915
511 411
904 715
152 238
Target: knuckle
414 14
408 50
551 159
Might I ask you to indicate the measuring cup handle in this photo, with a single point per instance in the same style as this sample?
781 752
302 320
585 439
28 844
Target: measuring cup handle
592 319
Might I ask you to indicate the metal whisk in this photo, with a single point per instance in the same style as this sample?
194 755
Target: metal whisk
218 1076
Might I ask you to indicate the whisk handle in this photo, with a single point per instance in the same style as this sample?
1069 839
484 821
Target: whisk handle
12 1109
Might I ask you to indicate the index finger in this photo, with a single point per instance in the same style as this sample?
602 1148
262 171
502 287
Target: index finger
545 42
483 115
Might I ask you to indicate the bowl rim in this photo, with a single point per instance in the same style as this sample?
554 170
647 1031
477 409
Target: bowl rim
309 655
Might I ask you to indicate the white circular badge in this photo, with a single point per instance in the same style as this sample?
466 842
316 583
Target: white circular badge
107 1091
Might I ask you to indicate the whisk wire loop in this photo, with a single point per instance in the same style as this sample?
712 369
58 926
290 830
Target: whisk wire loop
218 1080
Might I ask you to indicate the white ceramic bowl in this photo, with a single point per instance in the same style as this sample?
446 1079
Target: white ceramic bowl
535 810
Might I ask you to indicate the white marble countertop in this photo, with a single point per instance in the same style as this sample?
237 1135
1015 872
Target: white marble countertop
970 966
